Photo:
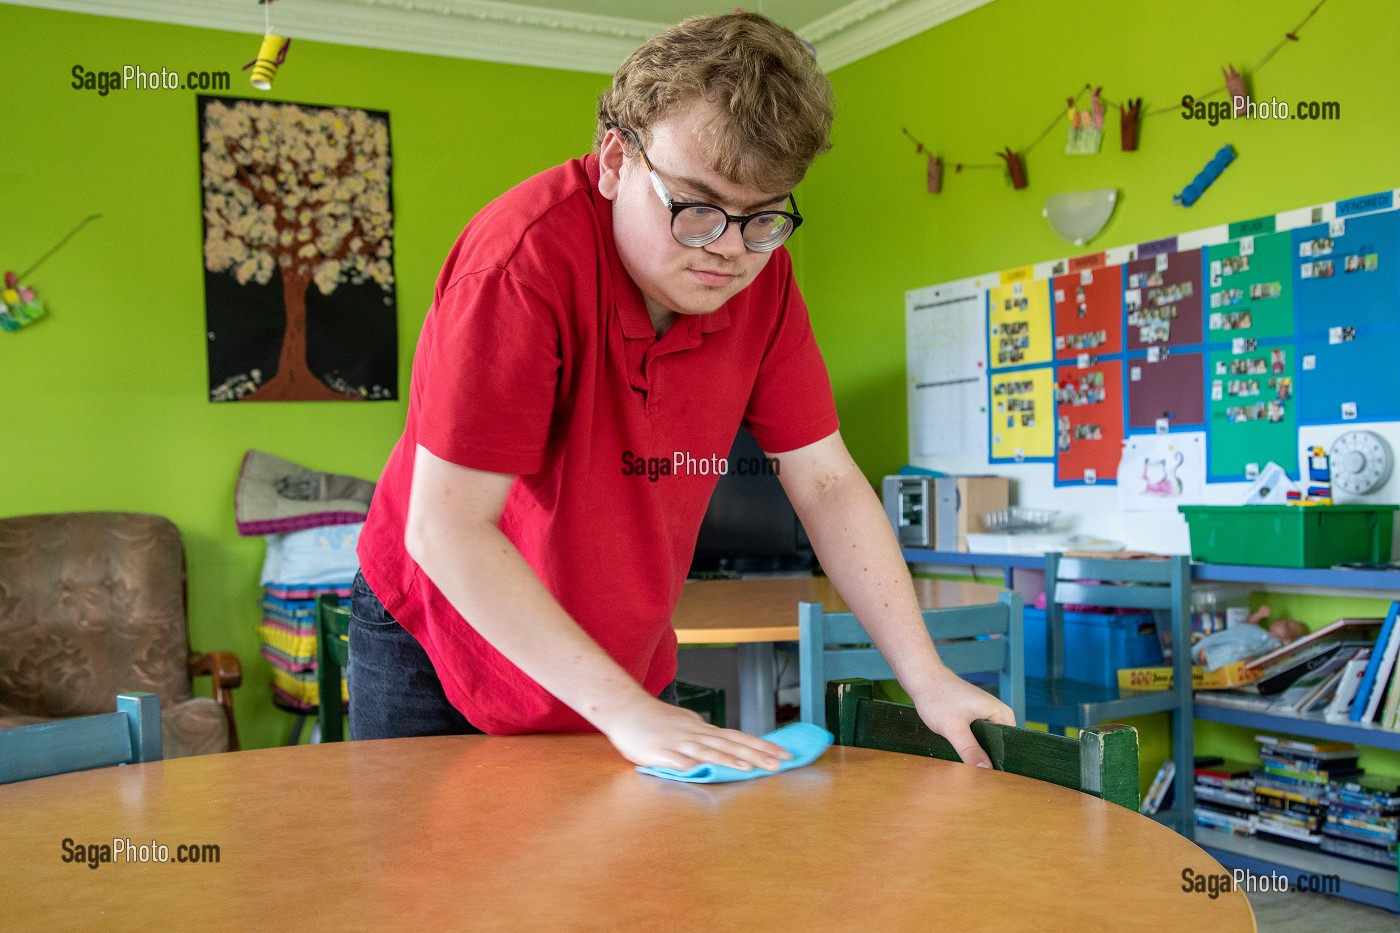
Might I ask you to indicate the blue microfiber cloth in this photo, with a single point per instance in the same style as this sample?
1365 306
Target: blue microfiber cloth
804 740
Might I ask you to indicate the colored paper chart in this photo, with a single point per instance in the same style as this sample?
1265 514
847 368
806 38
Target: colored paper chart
1018 317
1023 414
1250 281
1168 388
1163 297
1253 415
1347 291
1089 313
1088 423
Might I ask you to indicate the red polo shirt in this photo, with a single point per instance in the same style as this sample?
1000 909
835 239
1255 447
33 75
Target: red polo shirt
538 358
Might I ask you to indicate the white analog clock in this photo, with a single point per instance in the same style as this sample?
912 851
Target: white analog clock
1361 462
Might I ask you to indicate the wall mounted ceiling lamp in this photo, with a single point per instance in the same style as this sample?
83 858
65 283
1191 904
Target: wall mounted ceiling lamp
1079 216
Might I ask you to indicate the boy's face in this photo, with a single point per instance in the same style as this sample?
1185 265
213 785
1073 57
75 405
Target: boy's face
674 278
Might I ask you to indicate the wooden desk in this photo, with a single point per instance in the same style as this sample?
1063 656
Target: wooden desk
559 833
755 613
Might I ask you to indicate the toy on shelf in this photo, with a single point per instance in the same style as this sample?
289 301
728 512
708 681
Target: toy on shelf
1319 488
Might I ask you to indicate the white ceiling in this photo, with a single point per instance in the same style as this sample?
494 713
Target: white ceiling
580 35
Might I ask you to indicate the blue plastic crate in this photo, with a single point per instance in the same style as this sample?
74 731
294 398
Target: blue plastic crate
1096 644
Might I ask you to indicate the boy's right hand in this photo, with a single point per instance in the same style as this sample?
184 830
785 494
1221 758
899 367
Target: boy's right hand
655 734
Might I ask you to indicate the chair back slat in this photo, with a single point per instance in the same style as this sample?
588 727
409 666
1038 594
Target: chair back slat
1126 597
1102 762
835 645
128 736
1128 571
857 662
972 657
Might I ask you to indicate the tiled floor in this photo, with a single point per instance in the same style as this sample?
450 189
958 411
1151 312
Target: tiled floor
1292 912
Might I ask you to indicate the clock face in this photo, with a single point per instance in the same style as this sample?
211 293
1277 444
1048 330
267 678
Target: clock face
1361 462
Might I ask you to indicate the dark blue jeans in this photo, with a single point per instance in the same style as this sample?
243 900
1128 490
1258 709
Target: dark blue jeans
394 691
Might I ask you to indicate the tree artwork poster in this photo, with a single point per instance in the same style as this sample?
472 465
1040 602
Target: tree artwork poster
298 252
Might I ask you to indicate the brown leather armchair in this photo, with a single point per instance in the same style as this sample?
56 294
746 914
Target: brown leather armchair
92 604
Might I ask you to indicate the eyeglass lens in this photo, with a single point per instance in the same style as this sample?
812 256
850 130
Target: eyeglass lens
698 226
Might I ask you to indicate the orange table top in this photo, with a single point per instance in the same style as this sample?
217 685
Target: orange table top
560 833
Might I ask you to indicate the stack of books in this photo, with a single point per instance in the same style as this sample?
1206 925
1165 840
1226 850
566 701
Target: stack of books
1362 820
1292 783
1318 674
1225 796
1377 697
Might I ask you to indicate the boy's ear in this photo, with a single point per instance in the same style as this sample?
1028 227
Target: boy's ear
612 154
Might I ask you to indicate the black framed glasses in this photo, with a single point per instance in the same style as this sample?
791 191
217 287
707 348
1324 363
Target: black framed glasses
696 223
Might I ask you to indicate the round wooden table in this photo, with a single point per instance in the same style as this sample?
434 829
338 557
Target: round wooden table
559 833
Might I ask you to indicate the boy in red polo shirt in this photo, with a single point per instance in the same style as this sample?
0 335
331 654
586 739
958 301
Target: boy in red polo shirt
598 334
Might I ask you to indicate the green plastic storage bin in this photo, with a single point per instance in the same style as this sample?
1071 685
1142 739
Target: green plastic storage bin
1289 535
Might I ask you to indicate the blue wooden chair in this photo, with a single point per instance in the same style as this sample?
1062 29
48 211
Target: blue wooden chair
1101 762
128 736
970 640
1162 586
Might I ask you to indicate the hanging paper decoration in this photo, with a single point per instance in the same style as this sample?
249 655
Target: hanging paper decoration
271 54
1015 167
1085 127
1236 89
1207 176
19 306
1128 114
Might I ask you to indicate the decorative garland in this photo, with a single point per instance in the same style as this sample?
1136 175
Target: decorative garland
1086 126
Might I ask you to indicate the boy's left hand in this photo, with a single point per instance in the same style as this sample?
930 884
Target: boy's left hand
948 705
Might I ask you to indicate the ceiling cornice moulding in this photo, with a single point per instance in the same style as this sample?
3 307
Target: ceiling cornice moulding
509 32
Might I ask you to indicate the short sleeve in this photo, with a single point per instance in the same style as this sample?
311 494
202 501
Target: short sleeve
486 374
791 405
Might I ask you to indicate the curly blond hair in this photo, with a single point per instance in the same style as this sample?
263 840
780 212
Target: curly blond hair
773 108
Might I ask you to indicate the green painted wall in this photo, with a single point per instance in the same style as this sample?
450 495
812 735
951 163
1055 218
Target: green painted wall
106 396
995 77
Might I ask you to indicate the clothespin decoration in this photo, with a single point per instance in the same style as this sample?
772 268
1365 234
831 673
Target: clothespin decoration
935 164
1129 113
1015 167
1236 88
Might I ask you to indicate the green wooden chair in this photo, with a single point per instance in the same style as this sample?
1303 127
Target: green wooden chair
702 699
332 658
128 736
1101 762
833 645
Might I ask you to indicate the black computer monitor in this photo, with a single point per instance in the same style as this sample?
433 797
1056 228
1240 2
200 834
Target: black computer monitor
750 527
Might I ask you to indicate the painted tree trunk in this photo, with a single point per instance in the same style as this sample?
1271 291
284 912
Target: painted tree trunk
294 380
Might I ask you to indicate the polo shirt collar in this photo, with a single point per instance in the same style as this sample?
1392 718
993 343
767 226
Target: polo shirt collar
631 307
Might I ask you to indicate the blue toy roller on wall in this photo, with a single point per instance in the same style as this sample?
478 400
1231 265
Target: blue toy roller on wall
1205 178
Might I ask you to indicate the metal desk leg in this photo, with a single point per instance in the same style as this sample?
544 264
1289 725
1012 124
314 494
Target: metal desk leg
757 685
